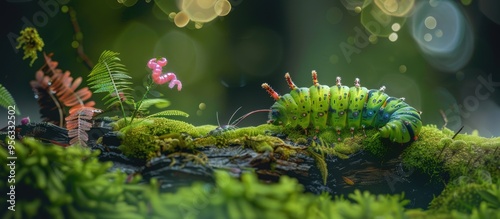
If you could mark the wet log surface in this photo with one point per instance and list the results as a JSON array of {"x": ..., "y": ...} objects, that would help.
[{"x": 360, "y": 171}]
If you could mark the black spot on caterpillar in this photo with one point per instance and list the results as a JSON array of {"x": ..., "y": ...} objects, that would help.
[{"x": 338, "y": 107}]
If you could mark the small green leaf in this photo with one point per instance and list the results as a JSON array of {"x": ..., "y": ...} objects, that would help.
[
  {"x": 157, "y": 102},
  {"x": 169, "y": 113}
]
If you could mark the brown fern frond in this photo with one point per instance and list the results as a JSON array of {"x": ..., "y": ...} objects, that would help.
[
  {"x": 51, "y": 109},
  {"x": 56, "y": 90},
  {"x": 65, "y": 89},
  {"x": 78, "y": 123},
  {"x": 50, "y": 66}
]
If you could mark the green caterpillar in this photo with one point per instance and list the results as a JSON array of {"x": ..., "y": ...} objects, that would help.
[{"x": 321, "y": 107}]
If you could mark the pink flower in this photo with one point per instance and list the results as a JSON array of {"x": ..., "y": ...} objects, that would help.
[
  {"x": 162, "y": 62},
  {"x": 25, "y": 120},
  {"x": 160, "y": 78}
]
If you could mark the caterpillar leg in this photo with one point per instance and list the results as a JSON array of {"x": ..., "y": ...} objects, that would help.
[{"x": 363, "y": 128}]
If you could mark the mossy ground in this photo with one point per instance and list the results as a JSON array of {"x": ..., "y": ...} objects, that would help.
[
  {"x": 433, "y": 153},
  {"x": 49, "y": 184},
  {"x": 436, "y": 152}
]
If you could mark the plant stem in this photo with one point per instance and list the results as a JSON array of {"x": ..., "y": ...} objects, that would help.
[
  {"x": 116, "y": 91},
  {"x": 138, "y": 106}
]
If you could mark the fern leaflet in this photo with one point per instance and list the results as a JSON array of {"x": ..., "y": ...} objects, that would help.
[
  {"x": 78, "y": 123},
  {"x": 110, "y": 76},
  {"x": 7, "y": 100}
]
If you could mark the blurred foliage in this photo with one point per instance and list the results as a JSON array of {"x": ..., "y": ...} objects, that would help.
[
  {"x": 31, "y": 43},
  {"x": 70, "y": 182},
  {"x": 464, "y": 194},
  {"x": 56, "y": 182}
]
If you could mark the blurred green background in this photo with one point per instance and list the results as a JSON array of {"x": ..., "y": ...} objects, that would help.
[{"x": 439, "y": 55}]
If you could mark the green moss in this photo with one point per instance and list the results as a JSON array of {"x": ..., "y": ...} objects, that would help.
[
  {"x": 423, "y": 154},
  {"x": 463, "y": 195},
  {"x": 56, "y": 182},
  {"x": 30, "y": 42},
  {"x": 249, "y": 198},
  {"x": 435, "y": 152},
  {"x": 203, "y": 130},
  {"x": 142, "y": 138}
]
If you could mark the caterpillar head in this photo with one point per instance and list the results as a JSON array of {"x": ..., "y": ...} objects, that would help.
[{"x": 277, "y": 116}]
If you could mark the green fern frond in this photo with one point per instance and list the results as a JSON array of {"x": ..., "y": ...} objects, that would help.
[
  {"x": 169, "y": 113},
  {"x": 147, "y": 103},
  {"x": 7, "y": 100},
  {"x": 110, "y": 76}
]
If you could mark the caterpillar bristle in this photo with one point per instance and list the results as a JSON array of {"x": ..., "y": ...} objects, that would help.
[
  {"x": 315, "y": 78},
  {"x": 271, "y": 92},
  {"x": 357, "y": 83},
  {"x": 338, "y": 79},
  {"x": 290, "y": 82}
]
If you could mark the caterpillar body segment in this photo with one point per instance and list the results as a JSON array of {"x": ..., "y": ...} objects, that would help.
[
  {"x": 339, "y": 104},
  {"x": 340, "y": 107},
  {"x": 357, "y": 98}
]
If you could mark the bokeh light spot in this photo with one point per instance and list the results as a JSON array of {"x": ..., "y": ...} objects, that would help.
[
  {"x": 396, "y": 27},
  {"x": 357, "y": 9},
  {"x": 64, "y": 9},
  {"x": 433, "y": 3},
  {"x": 75, "y": 44},
  {"x": 402, "y": 68},
  {"x": 438, "y": 33},
  {"x": 127, "y": 3},
  {"x": 354, "y": 5},
  {"x": 448, "y": 44},
  {"x": 185, "y": 56},
  {"x": 393, "y": 37},
  {"x": 202, "y": 4},
  {"x": 202, "y": 106},
  {"x": 222, "y": 7},
  {"x": 377, "y": 22},
  {"x": 398, "y": 8},
  {"x": 181, "y": 19},
  {"x": 427, "y": 37},
  {"x": 199, "y": 10},
  {"x": 466, "y": 2},
  {"x": 430, "y": 22},
  {"x": 172, "y": 15},
  {"x": 136, "y": 39}
]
